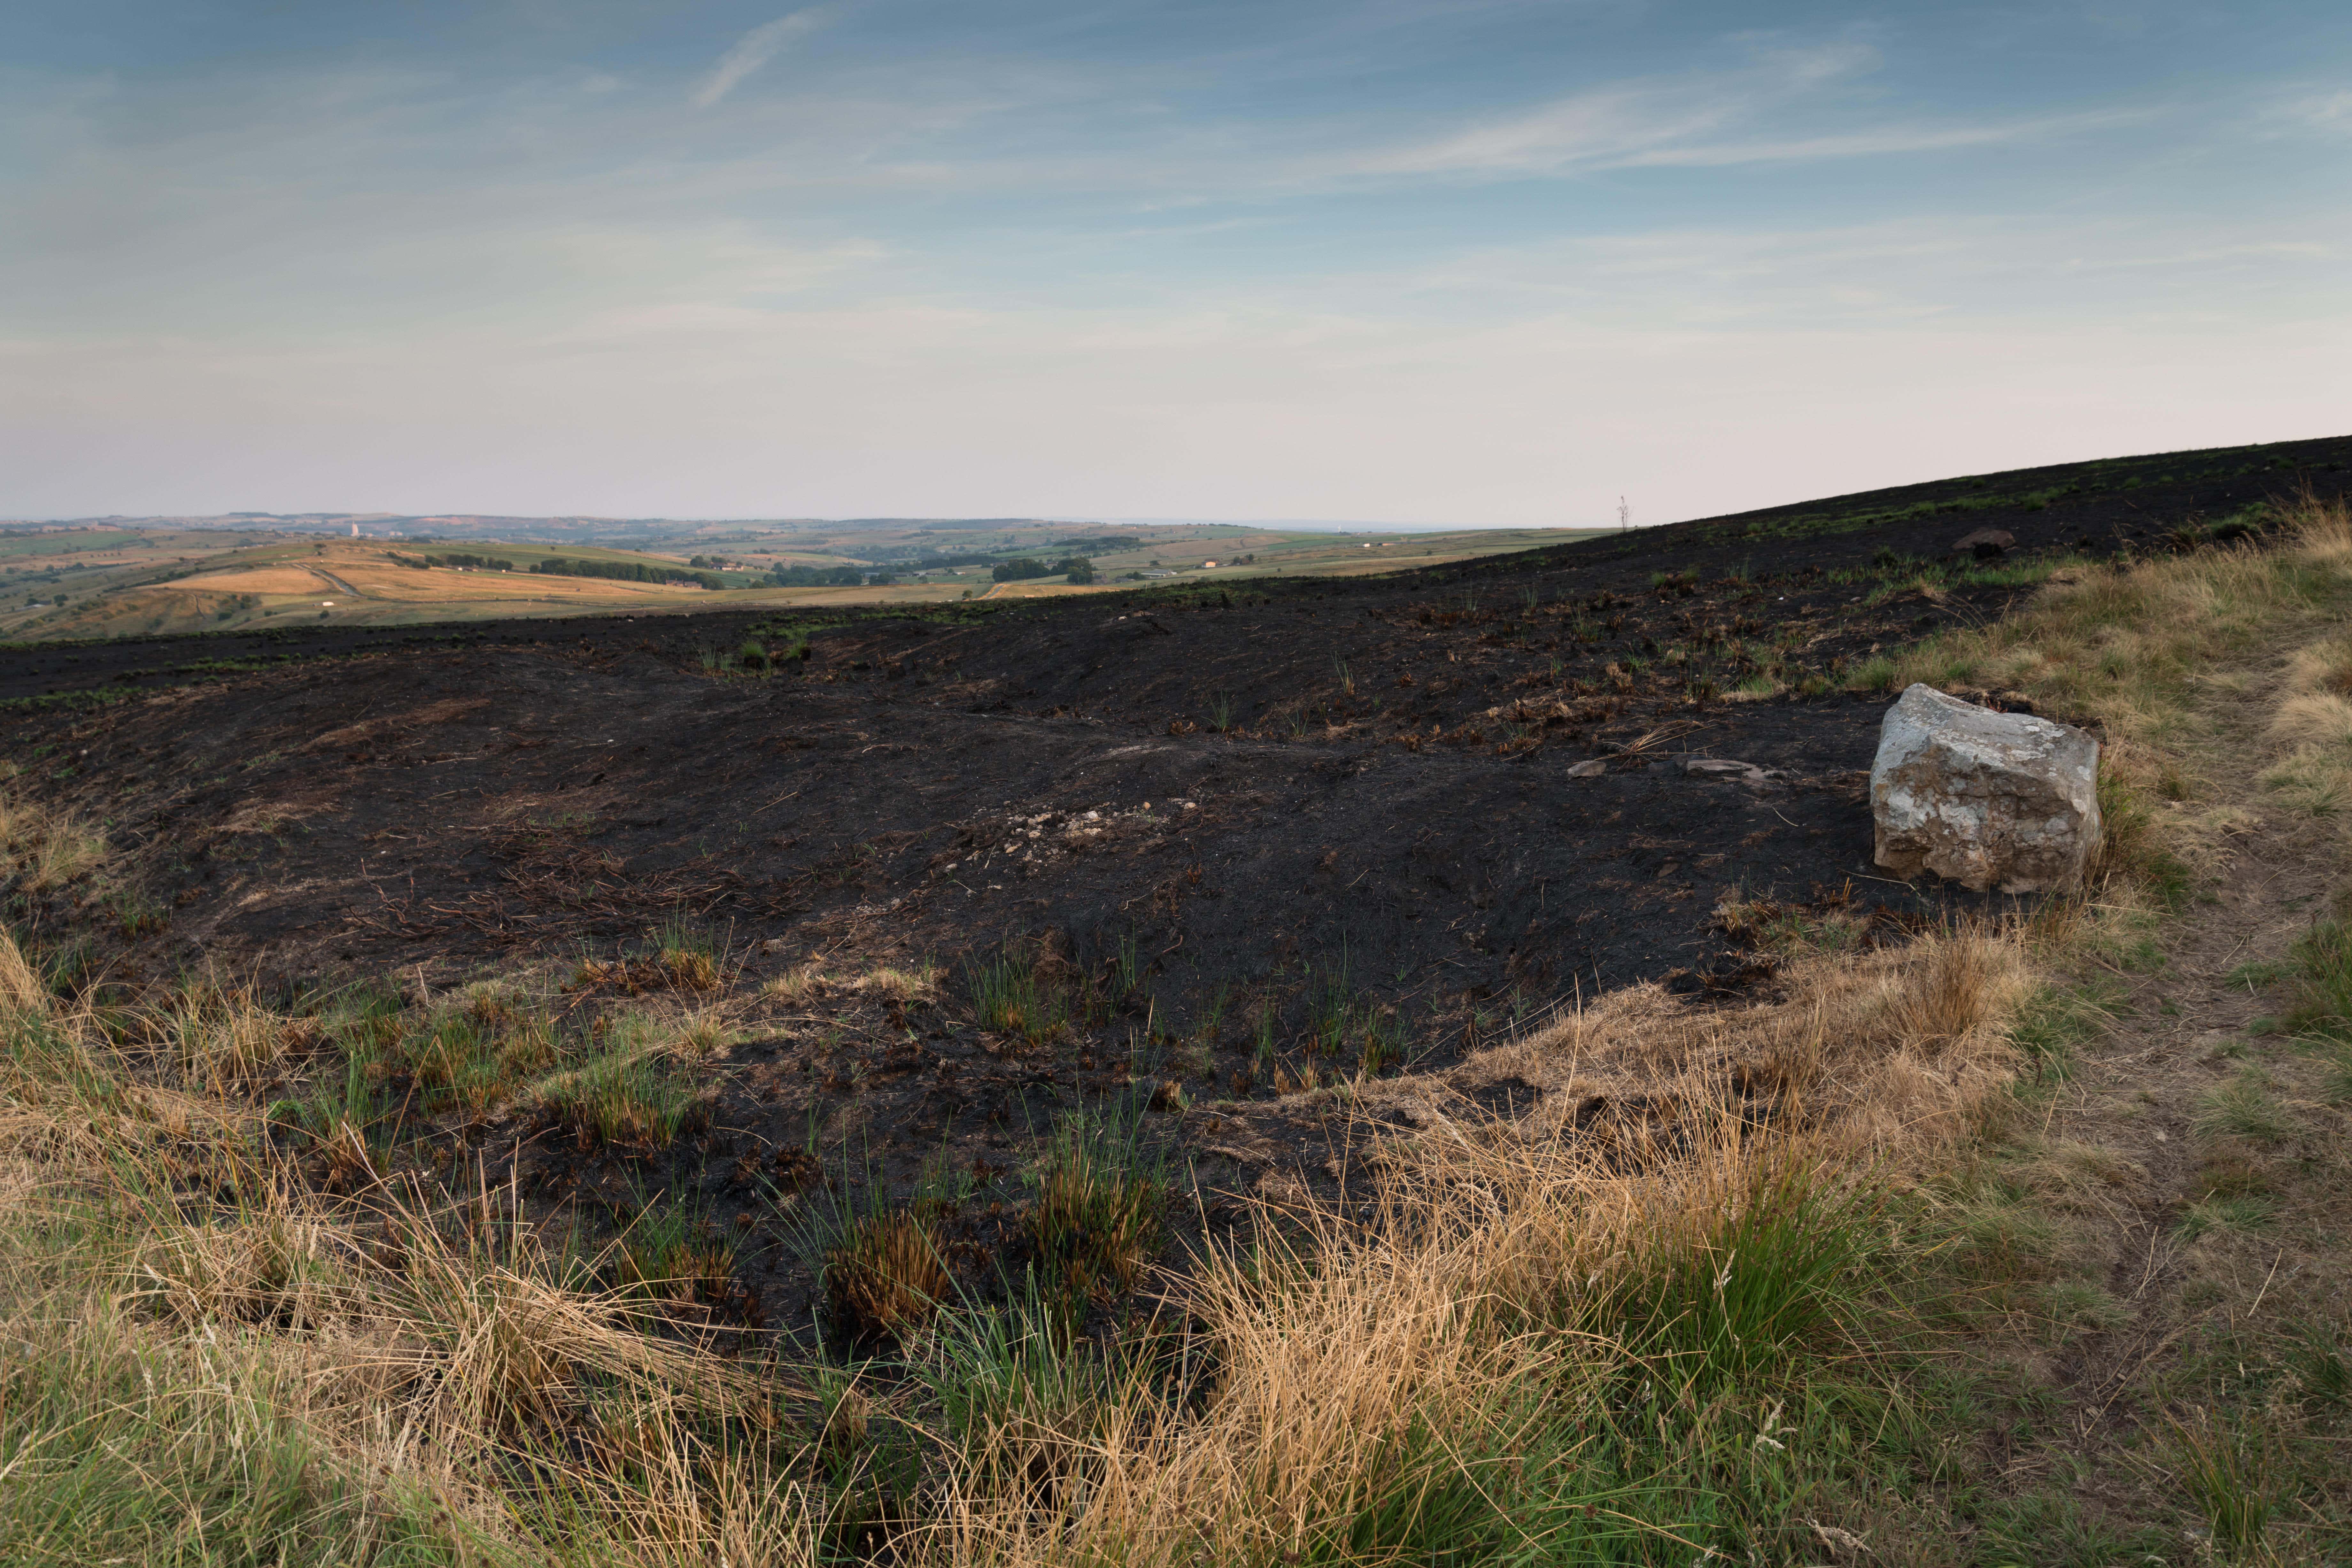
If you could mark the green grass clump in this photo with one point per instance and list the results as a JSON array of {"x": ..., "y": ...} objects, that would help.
[
  {"x": 677, "y": 1252},
  {"x": 2237, "y": 1214},
  {"x": 1010, "y": 997},
  {"x": 1782, "y": 1275},
  {"x": 1097, "y": 1198},
  {"x": 625, "y": 1095},
  {"x": 687, "y": 954},
  {"x": 2230, "y": 1472},
  {"x": 120, "y": 1453},
  {"x": 2243, "y": 1107},
  {"x": 883, "y": 1274},
  {"x": 2052, "y": 1027},
  {"x": 2132, "y": 844},
  {"x": 2323, "y": 972},
  {"x": 1874, "y": 674}
]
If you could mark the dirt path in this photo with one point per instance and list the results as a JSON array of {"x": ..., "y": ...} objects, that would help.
[{"x": 2197, "y": 1290}]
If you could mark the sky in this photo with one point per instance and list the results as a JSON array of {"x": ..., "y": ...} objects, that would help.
[{"x": 1475, "y": 262}]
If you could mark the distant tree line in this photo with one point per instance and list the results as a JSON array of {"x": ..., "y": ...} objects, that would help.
[
  {"x": 824, "y": 576},
  {"x": 942, "y": 562},
  {"x": 1020, "y": 568},
  {"x": 478, "y": 562},
  {"x": 628, "y": 571}
]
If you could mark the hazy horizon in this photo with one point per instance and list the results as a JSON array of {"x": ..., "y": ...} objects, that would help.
[{"x": 1497, "y": 262}]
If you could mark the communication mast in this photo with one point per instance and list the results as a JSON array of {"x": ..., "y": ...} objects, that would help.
[{"x": 1624, "y": 515}]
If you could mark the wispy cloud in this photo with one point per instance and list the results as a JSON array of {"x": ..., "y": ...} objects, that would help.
[
  {"x": 1881, "y": 140},
  {"x": 1703, "y": 120},
  {"x": 1616, "y": 124},
  {"x": 2324, "y": 111},
  {"x": 754, "y": 49}
]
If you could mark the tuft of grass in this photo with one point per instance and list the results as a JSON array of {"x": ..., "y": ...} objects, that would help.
[
  {"x": 687, "y": 954},
  {"x": 1010, "y": 998},
  {"x": 2230, "y": 1472},
  {"x": 675, "y": 1252},
  {"x": 219, "y": 1036},
  {"x": 627, "y": 1095},
  {"x": 2133, "y": 848},
  {"x": 901, "y": 984},
  {"x": 43, "y": 849},
  {"x": 2256, "y": 977},
  {"x": 1097, "y": 1198},
  {"x": 2050, "y": 1027},
  {"x": 2322, "y": 1363},
  {"x": 2241, "y": 1214},
  {"x": 2322, "y": 963},
  {"x": 2243, "y": 1107},
  {"x": 1024, "y": 1399},
  {"x": 1875, "y": 673},
  {"x": 703, "y": 1034},
  {"x": 797, "y": 984},
  {"x": 883, "y": 1274},
  {"x": 1779, "y": 1273}
]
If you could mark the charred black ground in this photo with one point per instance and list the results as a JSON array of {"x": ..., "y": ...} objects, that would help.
[{"x": 1231, "y": 834}]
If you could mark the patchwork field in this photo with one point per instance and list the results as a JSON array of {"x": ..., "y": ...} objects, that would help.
[{"x": 68, "y": 583}]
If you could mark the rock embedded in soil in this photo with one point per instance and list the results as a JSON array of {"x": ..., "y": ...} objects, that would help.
[
  {"x": 1986, "y": 544},
  {"x": 1983, "y": 798}
]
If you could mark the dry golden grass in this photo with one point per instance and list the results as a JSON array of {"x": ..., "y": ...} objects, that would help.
[
  {"x": 703, "y": 1034},
  {"x": 43, "y": 848},
  {"x": 415, "y": 1347},
  {"x": 2127, "y": 645},
  {"x": 286, "y": 580},
  {"x": 1881, "y": 1054},
  {"x": 416, "y": 1344},
  {"x": 795, "y": 984},
  {"x": 1503, "y": 1257},
  {"x": 900, "y": 984}
]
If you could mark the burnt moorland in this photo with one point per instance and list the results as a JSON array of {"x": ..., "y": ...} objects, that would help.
[{"x": 1202, "y": 846}]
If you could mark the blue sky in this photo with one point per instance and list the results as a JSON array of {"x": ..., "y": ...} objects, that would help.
[{"x": 1470, "y": 262}]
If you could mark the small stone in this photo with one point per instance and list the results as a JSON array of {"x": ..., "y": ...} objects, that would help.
[
  {"x": 1727, "y": 768},
  {"x": 1984, "y": 799},
  {"x": 1986, "y": 544}
]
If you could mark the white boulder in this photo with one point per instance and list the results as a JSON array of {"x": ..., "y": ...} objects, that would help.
[{"x": 1985, "y": 799}]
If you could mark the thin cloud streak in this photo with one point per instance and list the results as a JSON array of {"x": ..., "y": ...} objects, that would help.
[
  {"x": 754, "y": 49},
  {"x": 1880, "y": 142},
  {"x": 1615, "y": 124}
]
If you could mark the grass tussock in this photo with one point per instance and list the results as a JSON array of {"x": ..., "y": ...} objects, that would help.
[
  {"x": 43, "y": 849},
  {"x": 1886, "y": 1052},
  {"x": 627, "y": 1095},
  {"x": 883, "y": 1274},
  {"x": 802, "y": 983}
]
